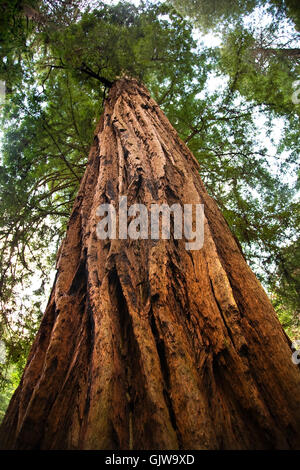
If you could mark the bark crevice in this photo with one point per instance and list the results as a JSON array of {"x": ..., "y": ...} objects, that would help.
[{"x": 160, "y": 346}]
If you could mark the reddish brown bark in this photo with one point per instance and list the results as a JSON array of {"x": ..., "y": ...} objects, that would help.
[{"x": 143, "y": 344}]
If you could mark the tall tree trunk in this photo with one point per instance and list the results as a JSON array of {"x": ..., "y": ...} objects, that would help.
[
  {"x": 265, "y": 53},
  {"x": 144, "y": 344}
]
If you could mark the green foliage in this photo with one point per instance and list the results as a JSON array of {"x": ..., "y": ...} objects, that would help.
[
  {"x": 289, "y": 8},
  {"x": 262, "y": 73},
  {"x": 5, "y": 396},
  {"x": 213, "y": 13},
  {"x": 286, "y": 288}
]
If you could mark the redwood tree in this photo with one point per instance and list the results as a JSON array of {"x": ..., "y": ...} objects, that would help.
[{"x": 144, "y": 344}]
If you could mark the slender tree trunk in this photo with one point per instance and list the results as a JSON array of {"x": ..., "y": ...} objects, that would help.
[
  {"x": 282, "y": 52},
  {"x": 144, "y": 344}
]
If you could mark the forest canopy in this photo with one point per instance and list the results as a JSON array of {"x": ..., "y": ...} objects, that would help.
[{"x": 227, "y": 76}]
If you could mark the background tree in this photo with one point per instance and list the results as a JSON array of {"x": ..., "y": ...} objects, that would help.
[{"x": 216, "y": 15}]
